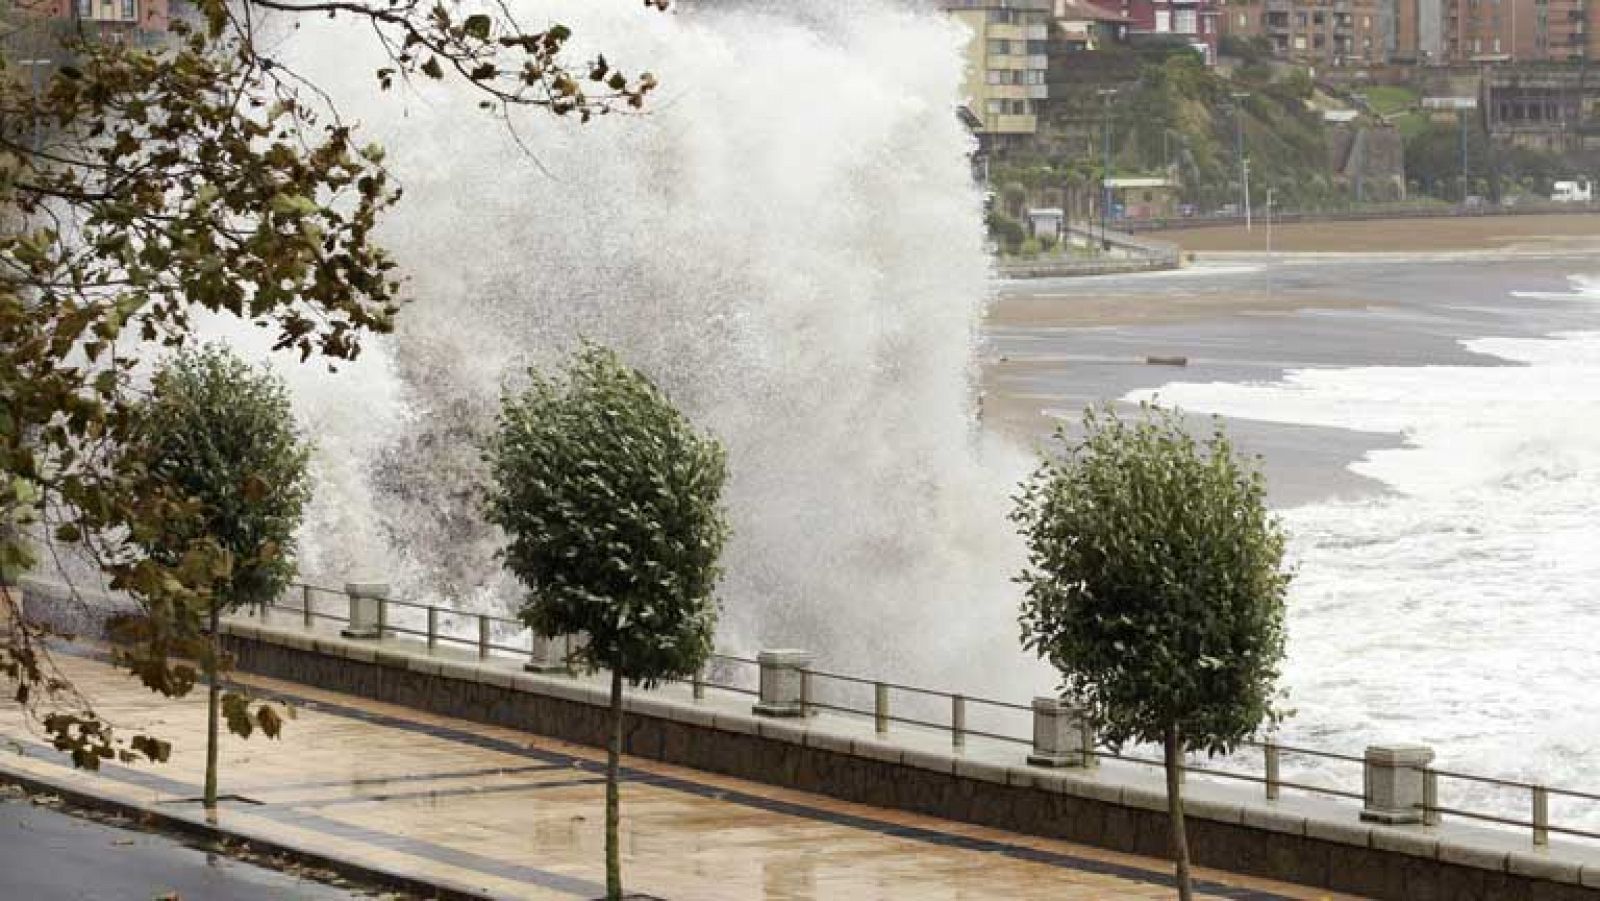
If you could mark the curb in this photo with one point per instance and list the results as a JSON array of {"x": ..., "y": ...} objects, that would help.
[{"x": 380, "y": 877}]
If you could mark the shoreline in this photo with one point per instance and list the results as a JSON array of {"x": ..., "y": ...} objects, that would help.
[{"x": 1569, "y": 232}]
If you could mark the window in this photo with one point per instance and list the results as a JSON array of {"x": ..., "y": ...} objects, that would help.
[
  {"x": 1299, "y": 42},
  {"x": 995, "y": 107},
  {"x": 995, "y": 75},
  {"x": 1033, "y": 76},
  {"x": 1038, "y": 48},
  {"x": 1366, "y": 21},
  {"x": 128, "y": 13},
  {"x": 1186, "y": 22},
  {"x": 1163, "y": 21},
  {"x": 1244, "y": 20},
  {"x": 1319, "y": 18},
  {"x": 999, "y": 47},
  {"x": 85, "y": 9},
  {"x": 1497, "y": 45}
]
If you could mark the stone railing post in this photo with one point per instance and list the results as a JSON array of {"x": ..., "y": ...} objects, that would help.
[
  {"x": 548, "y": 655},
  {"x": 1392, "y": 787},
  {"x": 781, "y": 693},
  {"x": 364, "y": 598},
  {"x": 1062, "y": 735}
]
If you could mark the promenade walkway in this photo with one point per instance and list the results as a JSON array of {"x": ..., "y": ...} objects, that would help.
[{"x": 510, "y": 815}]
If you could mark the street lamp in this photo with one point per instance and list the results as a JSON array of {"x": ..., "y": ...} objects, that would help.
[
  {"x": 1238, "y": 151},
  {"x": 1105, "y": 170}
]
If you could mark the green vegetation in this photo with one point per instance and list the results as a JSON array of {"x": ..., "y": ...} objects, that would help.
[
  {"x": 1155, "y": 585},
  {"x": 141, "y": 185},
  {"x": 1386, "y": 100},
  {"x": 220, "y": 438},
  {"x": 611, "y": 503},
  {"x": 1177, "y": 118},
  {"x": 1494, "y": 171}
]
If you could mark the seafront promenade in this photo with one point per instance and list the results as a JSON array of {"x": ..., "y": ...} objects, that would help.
[{"x": 489, "y": 812}]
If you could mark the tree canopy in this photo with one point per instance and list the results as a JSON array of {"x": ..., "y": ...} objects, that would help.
[
  {"x": 1155, "y": 580},
  {"x": 140, "y": 183},
  {"x": 611, "y": 504}
]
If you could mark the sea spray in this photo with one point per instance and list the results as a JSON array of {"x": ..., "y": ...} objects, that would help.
[{"x": 788, "y": 240}]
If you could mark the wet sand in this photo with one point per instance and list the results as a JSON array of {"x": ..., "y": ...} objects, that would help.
[
  {"x": 1054, "y": 346},
  {"x": 1078, "y": 310},
  {"x": 1397, "y": 235}
]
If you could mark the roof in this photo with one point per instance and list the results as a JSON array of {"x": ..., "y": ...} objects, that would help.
[{"x": 1084, "y": 9}]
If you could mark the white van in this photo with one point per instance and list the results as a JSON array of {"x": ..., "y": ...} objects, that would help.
[{"x": 1578, "y": 191}]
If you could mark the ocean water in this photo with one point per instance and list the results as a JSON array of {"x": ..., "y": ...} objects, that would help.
[{"x": 1458, "y": 607}]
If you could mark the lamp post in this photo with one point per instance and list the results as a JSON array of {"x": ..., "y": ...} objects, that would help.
[
  {"x": 1105, "y": 170},
  {"x": 1238, "y": 151},
  {"x": 1270, "y": 192}
]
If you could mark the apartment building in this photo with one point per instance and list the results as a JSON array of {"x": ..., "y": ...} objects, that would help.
[
  {"x": 1322, "y": 33},
  {"x": 1442, "y": 32},
  {"x": 1196, "y": 22},
  {"x": 120, "y": 20},
  {"x": 1007, "y": 62}
]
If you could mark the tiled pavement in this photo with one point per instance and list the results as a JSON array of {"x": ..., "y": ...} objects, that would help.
[{"x": 517, "y": 816}]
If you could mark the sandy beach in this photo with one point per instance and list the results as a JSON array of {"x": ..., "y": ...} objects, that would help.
[{"x": 1397, "y": 235}]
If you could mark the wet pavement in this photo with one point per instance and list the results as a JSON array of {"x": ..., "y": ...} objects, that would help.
[
  {"x": 47, "y": 855},
  {"x": 511, "y": 815}
]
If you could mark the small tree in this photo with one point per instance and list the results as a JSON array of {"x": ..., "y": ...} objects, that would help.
[
  {"x": 1155, "y": 585},
  {"x": 220, "y": 435},
  {"x": 611, "y": 503}
]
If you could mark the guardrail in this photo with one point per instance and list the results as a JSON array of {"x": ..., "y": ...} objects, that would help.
[
  {"x": 1359, "y": 214},
  {"x": 952, "y": 713}
]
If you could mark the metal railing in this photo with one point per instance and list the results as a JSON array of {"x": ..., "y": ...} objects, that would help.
[{"x": 821, "y": 690}]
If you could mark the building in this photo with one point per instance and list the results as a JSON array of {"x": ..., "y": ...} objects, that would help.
[
  {"x": 1194, "y": 22},
  {"x": 1314, "y": 32},
  {"x": 140, "y": 21},
  {"x": 1082, "y": 26},
  {"x": 1006, "y": 65},
  {"x": 1144, "y": 198},
  {"x": 1442, "y": 32}
]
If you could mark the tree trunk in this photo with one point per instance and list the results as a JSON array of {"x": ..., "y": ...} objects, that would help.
[
  {"x": 1180, "y": 841},
  {"x": 213, "y": 701},
  {"x": 613, "y": 801}
]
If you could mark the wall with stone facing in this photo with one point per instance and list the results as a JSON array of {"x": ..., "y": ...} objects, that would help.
[{"x": 1271, "y": 839}]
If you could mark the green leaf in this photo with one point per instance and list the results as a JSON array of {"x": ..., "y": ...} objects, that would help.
[{"x": 477, "y": 26}]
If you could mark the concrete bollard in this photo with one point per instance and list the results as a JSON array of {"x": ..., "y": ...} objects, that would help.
[
  {"x": 364, "y": 598},
  {"x": 781, "y": 691},
  {"x": 548, "y": 655},
  {"x": 1062, "y": 735},
  {"x": 1393, "y": 787}
]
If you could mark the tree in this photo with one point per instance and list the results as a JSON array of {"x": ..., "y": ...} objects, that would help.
[
  {"x": 1155, "y": 585},
  {"x": 221, "y": 436},
  {"x": 140, "y": 184},
  {"x": 611, "y": 504}
]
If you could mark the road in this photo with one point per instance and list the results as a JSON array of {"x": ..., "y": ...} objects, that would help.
[{"x": 46, "y": 855}]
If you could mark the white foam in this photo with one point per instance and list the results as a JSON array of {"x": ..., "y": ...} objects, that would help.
[
  {"x": 789, "y": 241},
  {"x": 1461, "y": 610}
]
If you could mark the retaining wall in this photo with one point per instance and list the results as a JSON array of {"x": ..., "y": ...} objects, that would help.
[{"x": 1118, "y": 807}]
